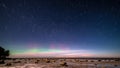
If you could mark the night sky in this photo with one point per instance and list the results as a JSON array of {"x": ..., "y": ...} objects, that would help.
[{"x": 60, "y": 28}]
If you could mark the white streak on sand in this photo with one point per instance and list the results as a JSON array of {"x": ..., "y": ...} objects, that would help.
[{"x": 27, "y": 66}]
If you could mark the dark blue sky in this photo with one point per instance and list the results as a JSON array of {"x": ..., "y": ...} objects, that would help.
[{"x": 78, "y": 24}]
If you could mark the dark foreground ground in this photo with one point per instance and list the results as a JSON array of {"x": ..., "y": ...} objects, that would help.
[{"x": 61, "y": 63}]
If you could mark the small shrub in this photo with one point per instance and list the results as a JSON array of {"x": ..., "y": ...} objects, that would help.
[
  {"x": 37, "y": 61},
  {"x": 117, "y": 59},
  {"x": 47, "y": 61},
  {"x": 63, "y": 64},
  {"x": 2, "y": 62},
  {"x": 92, "y": 61},
  {"x": 53, "y": 60},
  {"x": 115, "y": 65},
  {"x": 95, "y": 64},
  {"x": 86, "y": 60},
  {"x": 8, "y": 64},
  {"x": 99, "y": 60}
]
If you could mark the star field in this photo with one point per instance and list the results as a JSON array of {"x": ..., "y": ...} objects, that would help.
[{"x": 90, "y": 25}]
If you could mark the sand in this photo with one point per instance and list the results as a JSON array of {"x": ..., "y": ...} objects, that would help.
[{"x": 57, "y": 63}]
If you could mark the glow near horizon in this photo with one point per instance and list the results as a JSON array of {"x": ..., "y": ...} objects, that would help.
[
  {"x": 58, "y": 53},
  {"x": 53, "y": 51}
]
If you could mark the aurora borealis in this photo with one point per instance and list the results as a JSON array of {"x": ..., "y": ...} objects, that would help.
[
  {"x": 52, "y": 51},
  {"x": 60, "y": 28}
]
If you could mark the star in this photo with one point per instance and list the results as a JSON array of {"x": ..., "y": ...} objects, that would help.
[
  {"x": 34, "y": 27},
  {"x": 6, "y": 27},
  {"x": 4, "y": 6},
  {"x": 23, "y": 17}
]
